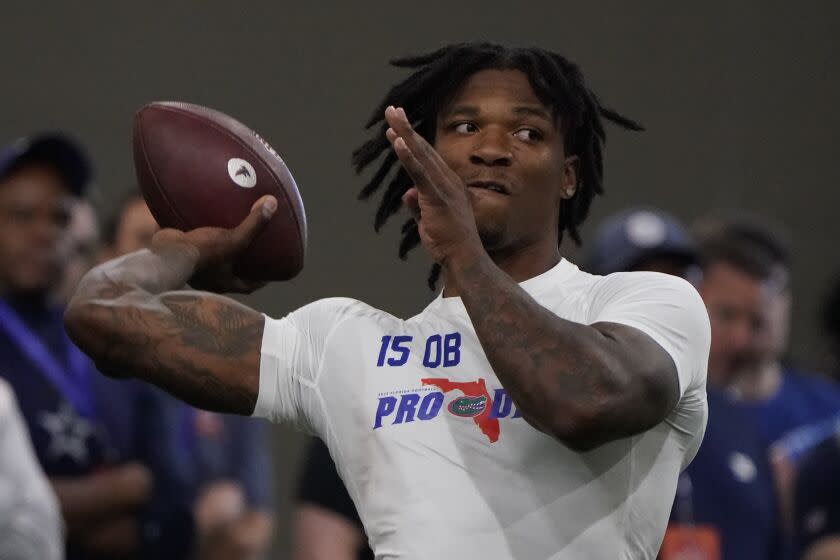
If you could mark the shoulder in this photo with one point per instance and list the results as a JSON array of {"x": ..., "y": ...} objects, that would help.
[
  {"x": 318, "y": 322},
  {"x": 649, "y": 294},
  {"x": 327, "y": 314},
  {"x": 667, "y": 309},
  {"x": 634, "y": 283},
  {"x": 337, "y": 308}
]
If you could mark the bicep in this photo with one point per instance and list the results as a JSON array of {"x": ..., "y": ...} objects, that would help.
[
  {"x": 649, "y": 385},
  {"x": 201, "y": 347},
  {"x": 656, "y": 331}
]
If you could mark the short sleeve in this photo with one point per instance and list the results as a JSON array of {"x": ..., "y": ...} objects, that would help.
[
  {"x": 291, "y": 356},
  {"x": 666, "y": 308}
]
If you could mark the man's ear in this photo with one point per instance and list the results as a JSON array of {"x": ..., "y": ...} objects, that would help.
[{"x": 570, "y": 177}]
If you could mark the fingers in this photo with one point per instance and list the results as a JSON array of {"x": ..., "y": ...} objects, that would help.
[
  {"x": 245, "y": 286},
  {"x": 401, "y": 128},
  {"x": 411, "y": 200},
  {"x": 419, "y": 159},
  {"x": 416, "y": 169},
  {"x": 261, "y": 213},
  {"x": 398, "y": 121}
]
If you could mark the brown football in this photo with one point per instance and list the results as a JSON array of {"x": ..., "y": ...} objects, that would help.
[{"x": 198, "y": 167}]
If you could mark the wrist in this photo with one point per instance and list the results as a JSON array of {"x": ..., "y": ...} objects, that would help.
[
  {"x": 176, "y": 251},
  {"x": 465, "y": 261}
]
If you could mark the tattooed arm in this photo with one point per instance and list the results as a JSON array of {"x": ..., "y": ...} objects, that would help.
[
  {"x": 134, "y": 319},
  {"x": 584, "y": 384}
]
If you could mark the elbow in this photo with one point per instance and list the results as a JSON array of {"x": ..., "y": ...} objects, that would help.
[
  {"x": 591, "y": 420},
  {"x": 583, "y": 430},
  {"x": 579, "y": 427}
]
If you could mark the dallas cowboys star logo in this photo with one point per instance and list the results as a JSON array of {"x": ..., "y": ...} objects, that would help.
[{"x": 68, "y": 433}]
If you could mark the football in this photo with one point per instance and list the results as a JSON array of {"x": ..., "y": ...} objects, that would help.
[{"x": 199, "y": 167}]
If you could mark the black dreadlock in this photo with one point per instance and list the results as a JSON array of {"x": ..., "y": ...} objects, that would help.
[{"x": 558, "y": 84}]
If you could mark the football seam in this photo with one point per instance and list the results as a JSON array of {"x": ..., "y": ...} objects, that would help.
[
  {"x": 150, "y": 167},
  {"x": 224, "y": 131}
]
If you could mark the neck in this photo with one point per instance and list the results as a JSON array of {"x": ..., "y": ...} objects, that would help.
[
  {"x": 759, "y": 384},
  {"x": 27, "y": 298},
  {"x": 520, "y": 264}
]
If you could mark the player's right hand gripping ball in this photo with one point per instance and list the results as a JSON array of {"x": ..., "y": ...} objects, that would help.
[{"x": 198, "y": 167}]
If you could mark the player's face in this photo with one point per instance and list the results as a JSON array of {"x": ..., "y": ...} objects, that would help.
[
  {"x": 136, "y": 228},
  {"x": 507, "y": 147},
  {"x": 34, "y": 214},
  {"x": 739, "y": 310}
]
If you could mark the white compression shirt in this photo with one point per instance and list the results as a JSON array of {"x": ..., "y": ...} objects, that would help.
[{"x": 435, "y": 454}]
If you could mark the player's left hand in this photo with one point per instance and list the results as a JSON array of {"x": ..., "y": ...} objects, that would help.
[{"x": 438, "y": 200}]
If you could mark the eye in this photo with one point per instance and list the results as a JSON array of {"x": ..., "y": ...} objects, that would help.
[
  {"x": 465, "y": 128},
  {"x": 528, "y": 134}
]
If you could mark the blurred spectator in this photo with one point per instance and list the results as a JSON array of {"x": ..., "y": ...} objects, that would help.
[
  {"x": 813, "y": 453},
  {"x": 79, "y": 248},
  {"x": 831, "y": 322},
  {"x": 746, "y": 286},
  {"x": 30, "y": 523},
  {"x": 130, "y": 227},
  {"x": 725, "y": 505},
  {"x": 219, "y": 463},
  {"x": 817, "y": 502},
  {"x": 85, "y": 428},
  {"x": 327, "y": 525},
  {"x": 642, "y": 239}
]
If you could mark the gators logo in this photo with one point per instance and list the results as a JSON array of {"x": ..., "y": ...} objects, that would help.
[{"x": 468, "y": 407}]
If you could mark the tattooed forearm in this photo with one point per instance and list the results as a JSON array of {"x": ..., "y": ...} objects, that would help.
[
  {"x": 198, "y": 322},
  {"x": 571, "y": 380},
  {"x": 201, "y": 347}
]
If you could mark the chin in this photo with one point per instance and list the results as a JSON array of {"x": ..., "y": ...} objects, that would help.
[
  {"x": 491, "y": 239},
  {"x": 34, "y": 284}
]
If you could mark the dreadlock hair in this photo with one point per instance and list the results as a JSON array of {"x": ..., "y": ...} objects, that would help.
[{"x": 557, "y": 82}]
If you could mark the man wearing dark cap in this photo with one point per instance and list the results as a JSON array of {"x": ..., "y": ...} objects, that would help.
[
  {"x": 83, "y": 426},
  {"x": 725, "y": 505},
  {"x": 642, "y": 239}
]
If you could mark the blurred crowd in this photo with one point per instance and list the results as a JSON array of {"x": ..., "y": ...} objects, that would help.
[{"x": 95, "y": 467}]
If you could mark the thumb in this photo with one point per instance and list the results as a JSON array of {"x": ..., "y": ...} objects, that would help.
[
  {"x": 259, "y": 216},
  {"x": 411, "y": 200}
]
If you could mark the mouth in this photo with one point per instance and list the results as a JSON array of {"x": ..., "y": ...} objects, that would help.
[{"x": 492, "y": 186}]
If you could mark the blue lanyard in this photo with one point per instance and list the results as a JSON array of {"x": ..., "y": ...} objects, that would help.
[{"x": 73, "y": 381}]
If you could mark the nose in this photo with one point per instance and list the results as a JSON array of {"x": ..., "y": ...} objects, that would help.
[
  {"x": 744, "y": 339},
  {"x": 46, "y": 233},
  {"x": 491, "y": 149}
]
